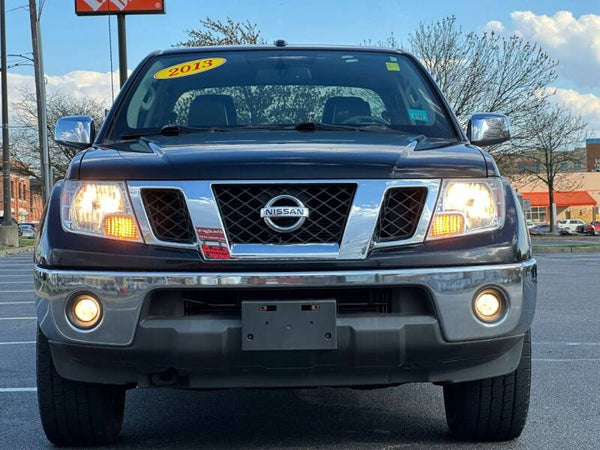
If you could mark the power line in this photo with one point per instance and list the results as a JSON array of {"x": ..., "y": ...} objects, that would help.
[{"x": 18, "y": 7}]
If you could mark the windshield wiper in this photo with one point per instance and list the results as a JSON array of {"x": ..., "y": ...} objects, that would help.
[
  {"x": 320, "y": 126},
  {"x": 171, "y": 130},
  {"x": 371, "y": 127}
]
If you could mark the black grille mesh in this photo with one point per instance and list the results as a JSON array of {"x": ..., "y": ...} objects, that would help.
[
  {"x": 400, "y": 214},
  {"x": 240, "y": 205},
  {"x": 168, "y": 215}
]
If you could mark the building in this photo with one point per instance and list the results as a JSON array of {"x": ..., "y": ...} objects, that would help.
[
  {"x": 580, "y": 201},
  {"x": 577, "y": 194},
  {"x": 27, "y": 200},
  {"x": 592, "y": 147}
]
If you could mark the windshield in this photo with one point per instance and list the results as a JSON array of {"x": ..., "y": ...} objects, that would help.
[{"x": 281, "y": 89}]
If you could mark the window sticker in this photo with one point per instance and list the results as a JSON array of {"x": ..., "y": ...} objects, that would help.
[
  {"x": 418, "y": 114},
  {"x": 392, "y": 66},
  {"x": 187, "y": 68}
]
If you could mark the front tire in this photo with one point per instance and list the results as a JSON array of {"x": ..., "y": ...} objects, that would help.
[
  {"x": 492, "y": 409},
  {"x": 73, "y": 412}
]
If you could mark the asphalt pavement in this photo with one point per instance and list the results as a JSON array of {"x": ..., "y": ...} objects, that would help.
[{"x": 564, "y": 412}]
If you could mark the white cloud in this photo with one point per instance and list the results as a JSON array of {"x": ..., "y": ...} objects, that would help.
[
  {"x": 575, "y": 42},
  {"x": 79, "y": 84},
  {"x": 495, "y": 26},
  {"x": 586, "y": 105}
]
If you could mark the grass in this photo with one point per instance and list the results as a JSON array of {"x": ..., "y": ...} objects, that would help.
[{"x": 23, "y": 242}]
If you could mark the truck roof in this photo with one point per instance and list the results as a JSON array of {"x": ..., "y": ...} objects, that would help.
[{"x": 349, "y": 48}]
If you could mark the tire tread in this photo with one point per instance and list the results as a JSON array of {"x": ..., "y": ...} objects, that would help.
[
  {"x": 74, "y": 412},
  {"x": 491, "y": 409}
]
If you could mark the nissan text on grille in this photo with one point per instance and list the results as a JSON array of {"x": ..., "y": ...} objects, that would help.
[{"x": 282, "y": 216}]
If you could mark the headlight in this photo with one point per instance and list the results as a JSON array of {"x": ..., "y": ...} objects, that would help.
[
  {"x": 98, "y": 209},
  {"x": 467, "y": 207}
]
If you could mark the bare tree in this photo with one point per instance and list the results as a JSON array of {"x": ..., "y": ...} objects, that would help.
[
  {"x": 486, "y": 72},
  {"x": 217, "y": 32},
  {"x": 25, "y": 149},
  {"x": 554, "y": 133},
  {"x": 295, "y": 104}
]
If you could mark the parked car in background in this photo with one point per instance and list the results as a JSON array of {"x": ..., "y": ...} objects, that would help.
[
  {"x": 589, "y": 228},
  {"x": 26, "y": 230},
  {"x": 530, "y": 224},
  {"x": 568, "y": 226},
  {"x": 542, "y": 228}
]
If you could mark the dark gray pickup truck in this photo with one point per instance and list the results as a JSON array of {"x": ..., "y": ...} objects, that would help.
[{"x": 282, "y": 216}]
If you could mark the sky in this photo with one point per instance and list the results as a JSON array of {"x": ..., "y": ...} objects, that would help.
[{"x": 76, "y": 49}]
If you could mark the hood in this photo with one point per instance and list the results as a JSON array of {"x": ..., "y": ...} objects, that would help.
[{"x": 279, "y": 155}]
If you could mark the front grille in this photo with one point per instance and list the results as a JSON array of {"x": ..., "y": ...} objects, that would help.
[
  {"x": 168, "y": 215},
  {"x": 240, "y": 205},
  {"x": 227, "y": 302},
  {"x": 400, "y": 214}
]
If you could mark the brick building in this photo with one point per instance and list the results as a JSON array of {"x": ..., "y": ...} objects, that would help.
[
  {"x": 577, "y": 195},
  {"x": 592, "y": 148},
  {"x": 26, "y": 196}
]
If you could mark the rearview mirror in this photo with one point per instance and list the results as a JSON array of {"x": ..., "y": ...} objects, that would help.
[
  {"x": 488, "y": 129},
  {"x": 75, "y": 131}
]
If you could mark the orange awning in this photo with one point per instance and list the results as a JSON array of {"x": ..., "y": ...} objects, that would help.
[{"x": 573, "y": 198}]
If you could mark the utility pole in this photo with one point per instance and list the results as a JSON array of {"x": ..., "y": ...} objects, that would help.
[
  {"x": 8, "y": 233},
  {"x": 40, "y": 94},
  {"x": 5, "y": 152},
  {"x": 122, "y": 34}
]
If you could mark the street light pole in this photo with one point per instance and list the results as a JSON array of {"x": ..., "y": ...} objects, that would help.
[
  {"x": 5, "y": 152},
  {"x": 40, "y": 94}
]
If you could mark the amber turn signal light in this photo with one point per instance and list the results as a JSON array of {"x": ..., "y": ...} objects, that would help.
[
  {"x": 447, "y": 224},
  {"x": 120, "y": 227}
]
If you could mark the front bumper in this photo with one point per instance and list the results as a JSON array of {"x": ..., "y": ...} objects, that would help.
[{"x": 448, "y": 346}]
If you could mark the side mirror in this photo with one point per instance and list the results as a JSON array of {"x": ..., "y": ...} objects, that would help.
[
  {"x": 488, "y": 129},
  {"x": 75, "y": 131}
]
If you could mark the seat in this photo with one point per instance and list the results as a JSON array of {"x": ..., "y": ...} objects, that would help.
[
  {"x": 212, "y": 111},
  {"x": 339, "y": 109}
]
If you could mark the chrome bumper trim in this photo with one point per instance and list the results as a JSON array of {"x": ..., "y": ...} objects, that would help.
[{"x": 123, "y": 293}]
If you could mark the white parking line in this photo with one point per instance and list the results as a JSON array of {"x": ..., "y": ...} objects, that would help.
[
  {"x": 566, "y": 359},
  {"x": 15, "y": 292},
  {"x": 17, "y": 343},
  {"x": 16, "y": 282},
  {"x": 15, "y": 303},
  {"x": 18, "y": 318},
  {"x": 24, "y": 389},
  {"x": 573, "y": 344},
  {"x": 16, "y": 276}
]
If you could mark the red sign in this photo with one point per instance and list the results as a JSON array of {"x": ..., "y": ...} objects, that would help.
[{"x": 103, "y": 7}]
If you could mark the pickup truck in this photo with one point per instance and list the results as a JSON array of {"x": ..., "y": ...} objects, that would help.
[{"x": 282, "y": 217}]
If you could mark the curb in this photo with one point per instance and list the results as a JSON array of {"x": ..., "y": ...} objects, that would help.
[
  {"x": 567, "y": 249},
  {"x": 16, "y": 250}
]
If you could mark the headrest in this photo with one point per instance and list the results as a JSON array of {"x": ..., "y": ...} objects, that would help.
[
  {"x": 339, "y": 109},
  {"x": 212, "y": 110}
]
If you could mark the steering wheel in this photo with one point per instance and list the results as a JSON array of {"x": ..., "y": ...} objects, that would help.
[{"x": 365, "y": 120}]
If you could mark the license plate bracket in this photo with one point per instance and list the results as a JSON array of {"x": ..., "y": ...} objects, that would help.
[{"x": 289, "y": 325}]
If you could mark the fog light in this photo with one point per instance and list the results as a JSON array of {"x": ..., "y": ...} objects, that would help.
[
  {"x": 86, "y": 311},
  {"x": 489, "y": 305}
]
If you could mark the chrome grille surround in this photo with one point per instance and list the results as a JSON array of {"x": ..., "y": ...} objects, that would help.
[{"x": 358, "y": 234}]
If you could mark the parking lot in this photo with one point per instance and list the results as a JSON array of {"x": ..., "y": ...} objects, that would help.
[{"x": 564, "y": 413}]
